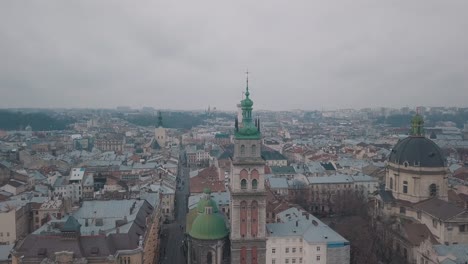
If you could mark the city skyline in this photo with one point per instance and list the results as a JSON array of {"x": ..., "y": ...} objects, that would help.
[{"x": 304, "y": 55}]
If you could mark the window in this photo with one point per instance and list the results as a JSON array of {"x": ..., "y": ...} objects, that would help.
[
  {"x": 244, "y": 184},
  {"x": 242, "y": 150},
  {"x": 433, "y": 190},
  {"x": 318, "y": 258},
  {"x": 254, "y": 150},
  {"x": 462, "y": 228},
  {"x": 209, "y": 258},
  {"x": 300, "y": 260},
  {"x": 293, "y": 250},
  {"x": 8, "y": 234},
  {"x": 287, "y": 250},
  {"x": 286, "y": 261},
  {"x": 391, "y": 183},
  {"x": 405, "y": 187},
  {"x": 273, "y": 261},
  {"x": 254, "y": 184},
  {"x": 273, "y": 250},
  {"x": 293, "y": 260},
  {"x": 402, "y": 210},
  {"x": 1, "y": 234},
  {"x": 318, "y": 248},
  {"x": 419, "y": 214},
  {"x": 300, "y": 249}
]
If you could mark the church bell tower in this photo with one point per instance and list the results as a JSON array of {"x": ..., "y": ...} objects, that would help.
[{"x": 247, "y": 188}]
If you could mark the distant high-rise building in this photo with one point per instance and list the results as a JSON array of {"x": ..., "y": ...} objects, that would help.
[{"x": 160, "y": 132}]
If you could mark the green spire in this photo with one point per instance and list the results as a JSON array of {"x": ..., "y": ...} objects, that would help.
[
  {"x": 417, "y": 126},
  {"x": 248, "y": 129},
  {"x": 160, "y": 123}
]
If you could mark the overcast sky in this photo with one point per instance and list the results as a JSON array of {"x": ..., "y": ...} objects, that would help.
[{"x": 168, "y": 54}]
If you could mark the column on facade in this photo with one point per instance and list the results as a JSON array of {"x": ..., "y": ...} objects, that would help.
[
  {"x": 219, "y": 253},
  {"x": 189, "y": 251}
]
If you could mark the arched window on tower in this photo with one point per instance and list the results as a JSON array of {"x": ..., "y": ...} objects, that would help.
[
  {"x": 242, "y": 150},
  {"x": 243, "y": 184},
  {"x": 405, "y": 187},
  {"x": 254, "y": 184},
  {"x": 433, "y": 190},
  {"x": 243, "y": 175},
  {"x": 391, "y": 183},
  {"x": 254, "y": 150}
]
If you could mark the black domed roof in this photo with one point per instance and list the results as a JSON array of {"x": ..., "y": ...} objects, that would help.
[{"x": 418, "y": 151}]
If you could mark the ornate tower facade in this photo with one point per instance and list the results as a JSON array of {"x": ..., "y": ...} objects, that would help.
[{"x": 248, "y": 195}]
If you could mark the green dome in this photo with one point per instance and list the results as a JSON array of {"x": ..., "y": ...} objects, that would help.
[
  {"x": 249, "y": 131},
  {"x": 247, "y": 103},
  {"x": 209, "y": 227},
  {"x": 208, "y": 224}
]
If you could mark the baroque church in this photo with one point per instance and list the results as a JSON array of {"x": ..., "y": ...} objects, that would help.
[
  {"x": 414, "y": 203},
  {"x": 209, "y": 240}
]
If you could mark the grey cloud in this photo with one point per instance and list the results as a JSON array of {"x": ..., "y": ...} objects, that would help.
[{"x": 168, "y": 54}]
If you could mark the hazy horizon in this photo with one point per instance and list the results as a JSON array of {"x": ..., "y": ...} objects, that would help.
[{"x": 309, "y": 55}]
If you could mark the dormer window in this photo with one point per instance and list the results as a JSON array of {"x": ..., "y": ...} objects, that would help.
[{"x": 208, "y": 210}]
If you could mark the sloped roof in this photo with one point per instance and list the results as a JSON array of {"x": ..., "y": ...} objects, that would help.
[
  {"x": 387, "y": 196},
  {"x": 278, "y": 183},
  {"x": 71, "y": 225},
  {"x": 327, "y": 166},
  {"x": 282, "y": 170},
  {"x": 272, "y": 155},
  {"x": 296, "y": 222},
  {"x": 458, "y": 251},
  {"x": 439, "y": 208},
  {"x": 416, "y": 233}
]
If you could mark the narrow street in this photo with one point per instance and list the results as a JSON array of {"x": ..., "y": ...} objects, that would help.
[{"x": 173, "y": 234}]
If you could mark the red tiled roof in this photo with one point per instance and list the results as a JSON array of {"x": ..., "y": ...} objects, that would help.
[
  {"x": 207, "y": 178},
  {"x": 461, "y": 173}
]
